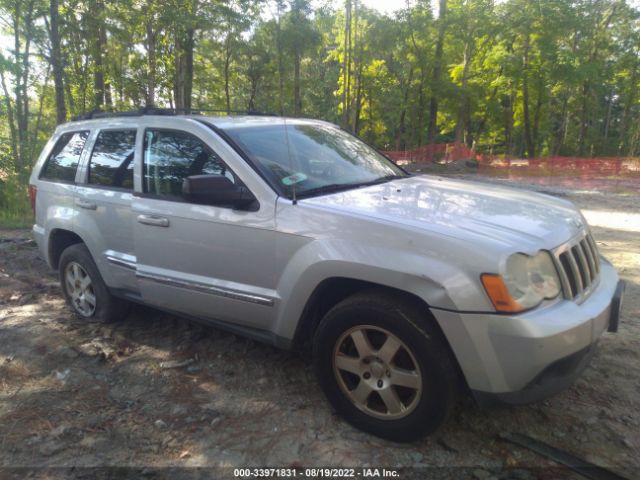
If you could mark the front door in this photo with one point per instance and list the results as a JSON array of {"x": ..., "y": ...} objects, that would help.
[{"x": 202, "y": 260}]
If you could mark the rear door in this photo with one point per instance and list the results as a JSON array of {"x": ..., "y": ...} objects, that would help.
[
  {"x": 103, "y": 205},
  {"x": 207, "y": 261},
  {"x": 56, "y": 184},
  {"x": 57, "y": 178}
]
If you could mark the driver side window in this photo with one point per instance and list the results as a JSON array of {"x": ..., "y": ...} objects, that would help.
[{"x": 172, "y": 155}]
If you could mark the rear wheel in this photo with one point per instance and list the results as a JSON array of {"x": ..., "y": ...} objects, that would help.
[
  {"x": 85, "y": 290},
  {"x": 384, "y": 366}
]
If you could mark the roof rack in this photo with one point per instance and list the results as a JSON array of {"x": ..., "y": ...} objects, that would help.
[{"x": 162, "y": 111}]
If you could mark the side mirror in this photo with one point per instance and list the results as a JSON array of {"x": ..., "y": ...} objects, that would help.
[{"x": 217, "y": 190}]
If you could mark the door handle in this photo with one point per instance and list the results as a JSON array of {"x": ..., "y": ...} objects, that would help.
[
  {"x": 86, "y": 204},
  {"x": 153, "y": 220}
]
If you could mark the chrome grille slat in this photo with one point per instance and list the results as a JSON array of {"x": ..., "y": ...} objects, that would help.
[
  {"x": 589, "y": 254},
  {"x": 585, "y": 273},
  {"x": 575, "y": 270},
  {"x": 564, "y": 280},
  {"x": 594, "y": 249},
  {"x": 578, "y": 265}
]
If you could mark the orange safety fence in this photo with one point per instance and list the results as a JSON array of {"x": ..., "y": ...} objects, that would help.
[
  {"x": 446, "y": 152},
  {"x": 599, "y": 173}
]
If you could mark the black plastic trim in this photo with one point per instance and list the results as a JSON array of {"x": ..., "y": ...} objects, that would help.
[
  {"x": 553, "y": 379},
  {"x": 616, "y": 307}
]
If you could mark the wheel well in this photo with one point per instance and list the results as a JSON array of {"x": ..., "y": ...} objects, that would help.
[
  {"x": 59, "y": 240},
  {"x": 333, "y": 290},
  {"x": 329, "y": 293}
]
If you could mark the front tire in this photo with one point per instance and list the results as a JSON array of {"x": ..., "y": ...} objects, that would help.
[
  {"x": 384, "y": 366},
  {"x": 84, "y": 289}
]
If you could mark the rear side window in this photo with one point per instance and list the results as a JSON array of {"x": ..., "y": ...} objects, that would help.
[
  {"x": 170, "y": 156},
  {"x": 111, "y": 162},
  {"x": 62, "y": 164}
]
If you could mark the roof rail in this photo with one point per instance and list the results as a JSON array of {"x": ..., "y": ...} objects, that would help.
[{"x": 162, "y": 111}]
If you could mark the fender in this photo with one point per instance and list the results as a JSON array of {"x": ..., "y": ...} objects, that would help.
[{"x": 403, "y": 270}]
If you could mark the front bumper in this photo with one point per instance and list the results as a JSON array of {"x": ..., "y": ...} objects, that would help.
[{"x": 523, "y": 358}]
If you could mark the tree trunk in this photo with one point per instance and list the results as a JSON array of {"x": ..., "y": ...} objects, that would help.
[
  {"x": 400, "y": 141},
  {"x": 584, "y": 120},
  {"x": 178, "y": 81},
  {"x": 189, "y": 45},
  {"x": 537, "y": 113},
  {"x": 586, "y": 86},
  {"x": 227, "y": 65},
  {"x": 280, "y": 60},
  {"x": 183, "y": 60},
  {"x": 22, "y": 73},
  {"x": 421, "y": 100},
  {"x": 34, "y": 138},
  {"x": 56, "y": 62},
  {"x": 628, "y": 105},
  {"x": 607, "y": 122},
  {"x": 358, "y": 103},
  {"x": 105, "y": 78},
  {"x": 98, "y": 61},
  {"x": 10, "y": 117},
  {"x": 562, "y": 127},
  {"x": 464, "y": 109},
  {"x": 371, "y": 131},
  {"x": 528, "y": 138},
  {"x": 437, "y": 73},
  {"x": 297, "y": 100},
  {"x": 346, "y": 65},
  {"x": 151, "y": 55},
  {"x": 508, "y": 122}
]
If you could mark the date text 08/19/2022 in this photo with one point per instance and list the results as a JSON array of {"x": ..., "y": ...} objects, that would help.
[{"x": 315, "y": 473}]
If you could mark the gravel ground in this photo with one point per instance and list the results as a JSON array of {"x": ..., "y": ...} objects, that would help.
[{"x": 156, "y": 391}]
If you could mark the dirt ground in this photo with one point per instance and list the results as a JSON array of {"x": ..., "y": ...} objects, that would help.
[{"x": 80, "y": 395}]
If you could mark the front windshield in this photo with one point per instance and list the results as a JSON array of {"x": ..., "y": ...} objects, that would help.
[{"x": 312, "y": 158}]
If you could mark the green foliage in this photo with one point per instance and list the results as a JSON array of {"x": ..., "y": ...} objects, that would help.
[
  {"x": 15, "y": 208},
  {"x": 513, "y": 77}
]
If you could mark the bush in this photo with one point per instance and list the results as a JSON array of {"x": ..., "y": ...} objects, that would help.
[{"x": 15, "y": 207}]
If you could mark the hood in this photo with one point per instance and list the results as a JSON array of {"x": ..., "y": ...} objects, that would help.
[{"x": 517, "y": 218}]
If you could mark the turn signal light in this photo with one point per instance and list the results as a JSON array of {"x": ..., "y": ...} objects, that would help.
[{"x": 499, "y": 294}]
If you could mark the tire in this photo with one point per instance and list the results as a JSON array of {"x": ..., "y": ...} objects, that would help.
[
  {"x": 89, "y": 299},
  {"x": 399, "y": 396}
]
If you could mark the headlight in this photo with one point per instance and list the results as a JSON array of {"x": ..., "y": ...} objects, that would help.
[{"x": 524, "y": 284}]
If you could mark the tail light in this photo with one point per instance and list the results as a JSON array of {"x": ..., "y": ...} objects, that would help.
[{"x": 33, "y": 192}]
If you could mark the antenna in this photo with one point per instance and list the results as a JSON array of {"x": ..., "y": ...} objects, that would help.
[{"x": 293, "y": 185}]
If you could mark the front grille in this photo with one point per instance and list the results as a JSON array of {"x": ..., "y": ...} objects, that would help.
[{"x": 578, "y": 265}]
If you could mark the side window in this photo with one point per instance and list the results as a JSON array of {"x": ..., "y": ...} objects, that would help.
[
  {"x": 170, "y": 156},
  {"x": 111, "y": 161},
  {"x": 63, "y": 161}
]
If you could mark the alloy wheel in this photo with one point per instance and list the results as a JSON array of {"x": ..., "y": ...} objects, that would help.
[
  {"x": 377, "y": 372},
  {"x": 80, "y": 289}
]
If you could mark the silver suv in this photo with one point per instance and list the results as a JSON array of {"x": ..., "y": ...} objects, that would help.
[{"x": 408, "y": 290}]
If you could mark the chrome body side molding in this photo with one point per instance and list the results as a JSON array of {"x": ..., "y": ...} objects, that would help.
[{"x": 210, "y": 289}]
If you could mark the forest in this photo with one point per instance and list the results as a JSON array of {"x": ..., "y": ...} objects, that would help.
[{"x": 516, "y": 77}]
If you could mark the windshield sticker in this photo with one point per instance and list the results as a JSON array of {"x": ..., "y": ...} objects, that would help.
[{"x": 293, "y": 179}]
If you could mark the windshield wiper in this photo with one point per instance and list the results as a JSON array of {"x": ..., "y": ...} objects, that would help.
[
  {"x": 332, "y": 187},
  {"x": 336, "y": 187},
  {"x": 386, "y": 178}
]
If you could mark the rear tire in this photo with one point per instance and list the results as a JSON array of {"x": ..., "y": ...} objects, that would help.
[
  {"x": 385, "y": 367},
  {"x": 84, "y": 289}
]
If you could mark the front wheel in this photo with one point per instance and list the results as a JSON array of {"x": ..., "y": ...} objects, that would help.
[
  {"x": 384, "y": 366},
  {"x": 85, "y": 290}
]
